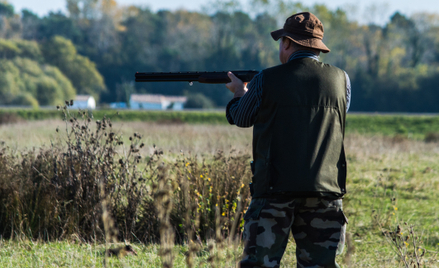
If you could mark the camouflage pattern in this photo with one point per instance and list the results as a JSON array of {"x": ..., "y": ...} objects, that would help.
[{"x": 317, "y": 225}]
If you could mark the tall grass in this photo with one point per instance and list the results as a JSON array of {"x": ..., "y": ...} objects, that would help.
[
  {"x": 57, "y": 193},
  {"x": 179, "y": 193}
]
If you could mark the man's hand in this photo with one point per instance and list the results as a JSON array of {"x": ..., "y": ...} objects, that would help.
[{"x": 236, "y": 86}]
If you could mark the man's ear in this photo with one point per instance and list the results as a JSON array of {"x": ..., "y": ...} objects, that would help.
[{"x": 287, "y": 43}]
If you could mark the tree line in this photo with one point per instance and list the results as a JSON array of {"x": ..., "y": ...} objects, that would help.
[{"x": 97, "y": 46}]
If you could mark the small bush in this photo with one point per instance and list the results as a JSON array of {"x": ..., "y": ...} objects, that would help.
[
  {"x": 9, "y": 118},
  {"x": 432, "y": 137},
  {"x": 198, "y": 101},
  {"x": 95, "y": 187},
  {"x": 56, "y": 192}
]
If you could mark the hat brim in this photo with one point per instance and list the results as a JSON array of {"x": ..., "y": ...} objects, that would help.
[{"x": 306, "y": 41}]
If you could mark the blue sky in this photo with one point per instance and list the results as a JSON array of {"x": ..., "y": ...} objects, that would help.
[{"x": 359, "y": 7}]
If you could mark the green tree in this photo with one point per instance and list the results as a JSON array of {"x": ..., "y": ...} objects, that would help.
[
  {"x": 46, "y": 83},
  {"x": 25, "y": 99},
  {"x": 8, "y": 49},
  {"x": 56, "y": 24},
  {"x": 6, "y": 10},
  {"x": 409, "y": 36},
  {"x": 10, "y": 81},
  {"x": 30, "y": 25},
  {"x": 48, "y": 91},
  {"x": 82, "y": 72},
  {"x": 29, "y": 49}
]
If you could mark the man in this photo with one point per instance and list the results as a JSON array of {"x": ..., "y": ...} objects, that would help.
[{"x": 297, "y": 110}]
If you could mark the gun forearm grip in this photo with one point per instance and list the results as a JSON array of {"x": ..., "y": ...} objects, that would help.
[{"x": 223, "y": 78}]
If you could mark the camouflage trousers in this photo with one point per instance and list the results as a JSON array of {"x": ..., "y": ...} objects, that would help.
[{"x": 318, "y": 226}]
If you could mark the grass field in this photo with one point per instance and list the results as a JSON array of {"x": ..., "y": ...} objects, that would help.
[
  {"x": 393, "y": 180},
  {"x": 413, "y": 126}
]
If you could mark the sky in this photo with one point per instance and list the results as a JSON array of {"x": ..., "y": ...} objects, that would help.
[{"x": 359, "y": 8}]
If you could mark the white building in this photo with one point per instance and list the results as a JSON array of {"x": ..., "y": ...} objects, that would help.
[
  {"x": 156, "y": 102},
  {"x": 84, "y": 102}
]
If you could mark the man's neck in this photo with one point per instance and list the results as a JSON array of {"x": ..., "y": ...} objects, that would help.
[{"x": 302, "y": 53}]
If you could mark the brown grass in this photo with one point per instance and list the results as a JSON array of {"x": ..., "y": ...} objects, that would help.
[{"x": 183, "y": 184}]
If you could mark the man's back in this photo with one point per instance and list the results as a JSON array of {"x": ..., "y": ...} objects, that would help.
[{"x": 298, "y": 133}]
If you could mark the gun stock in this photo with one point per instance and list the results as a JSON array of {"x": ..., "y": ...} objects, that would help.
[{"x": 201, "y": 77}]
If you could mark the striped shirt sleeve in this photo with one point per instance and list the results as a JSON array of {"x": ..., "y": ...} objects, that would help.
[
  {"x": 242, "y": 111},
  {"x": 348, "y": 92}
]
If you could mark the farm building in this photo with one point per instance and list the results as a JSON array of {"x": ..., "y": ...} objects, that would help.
[
  {"x": 156, "y": 102},
  {"x": 118, "y": 105},
  {"x": 84, "y": 102}
]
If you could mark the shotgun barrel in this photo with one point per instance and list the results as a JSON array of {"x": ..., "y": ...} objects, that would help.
[{"x": 201, "y": 77}]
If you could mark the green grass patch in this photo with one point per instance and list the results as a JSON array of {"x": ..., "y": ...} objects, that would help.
[
  {"x": 406, "y": 126},
  {"x": 411, "y": 126}
]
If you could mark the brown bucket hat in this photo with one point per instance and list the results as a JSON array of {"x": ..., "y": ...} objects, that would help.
[{"x": 304, "y": 29}]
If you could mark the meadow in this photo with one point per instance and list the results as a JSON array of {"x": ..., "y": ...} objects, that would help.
[{"x": 194, "y": 176}]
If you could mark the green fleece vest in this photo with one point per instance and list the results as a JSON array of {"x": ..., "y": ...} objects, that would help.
[{"x": 298, "y": 134}]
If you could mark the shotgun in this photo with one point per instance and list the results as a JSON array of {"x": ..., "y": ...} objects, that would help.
[{"x": 201, "y": 77}]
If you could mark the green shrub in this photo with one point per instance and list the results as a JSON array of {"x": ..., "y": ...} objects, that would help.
[
  {"x": 25, "y": 99},
  {"x": 432, "y": 137},
  {"x": 9, "y": 118},
  {"x": 198, "y": 101},
  {"x": 98, "y": 188}
]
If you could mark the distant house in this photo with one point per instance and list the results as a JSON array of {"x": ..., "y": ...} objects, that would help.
[
  {"x": 118, "y": 105},
  {"x": 84, "y": 102},
  {"x": 156, "y": 102}
]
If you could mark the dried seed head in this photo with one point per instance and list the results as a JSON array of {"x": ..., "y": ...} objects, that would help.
[{"x": 71, "y": 102}]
